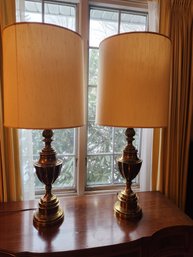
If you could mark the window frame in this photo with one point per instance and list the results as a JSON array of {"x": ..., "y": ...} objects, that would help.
[{"x": 82, "y": 25}]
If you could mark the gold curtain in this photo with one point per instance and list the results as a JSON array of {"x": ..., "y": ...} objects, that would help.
[
  {"x": 10, "y": 179},
  {"x": 171, "y": 145}
]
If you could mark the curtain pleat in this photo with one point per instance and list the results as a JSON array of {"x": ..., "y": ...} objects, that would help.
[
  {"x": 10, "y": 179},
  {"x": 172, "y": 144}
]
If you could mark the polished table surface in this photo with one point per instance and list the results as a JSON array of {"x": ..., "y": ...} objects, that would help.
[{"x": 89, "y": 223}]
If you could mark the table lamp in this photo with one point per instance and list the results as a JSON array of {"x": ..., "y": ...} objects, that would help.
[
  {"x": 43, "y": 89},
  {"x": 133, "y": 92}
]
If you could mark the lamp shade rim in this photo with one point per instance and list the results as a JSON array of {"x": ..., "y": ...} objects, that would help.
[
  {"x": 130, "y": 125},
  {"x": 42, "y": 24},
  {"x": 134, "y": 33},
  {"x": 46, "y": 128}
]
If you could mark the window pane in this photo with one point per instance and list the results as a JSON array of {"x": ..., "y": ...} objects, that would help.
[
  {"x": 66, "y": 178},
  {"x": 37, "y": 142},
  {"x": 132, "y": 22},
  {"x": 91, "y": 103},
  {"x": 117, "y": 178},
  {"x": 33, "y": 11},
  {"x": 103, "y": 23},
  {"x": 137, "y": 141},
  {"x": 61, "y": 15},
  {"x": 99, "y": 139},
  {"x": 99, "y": 170},
  {"x": 64, "y": 141},
  {"x": 93, "y": 66},
  {"x": 119, "y": 140}
]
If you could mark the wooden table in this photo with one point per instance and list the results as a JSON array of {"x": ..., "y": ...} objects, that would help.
[{"x": 91, "y": 229}]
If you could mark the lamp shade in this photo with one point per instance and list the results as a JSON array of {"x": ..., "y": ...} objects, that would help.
[
  {"x": 42, "y": 74},
  {"x": 134, "y": 80}
]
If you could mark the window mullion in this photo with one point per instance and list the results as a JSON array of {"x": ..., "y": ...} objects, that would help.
[
  {"x": 43, "y": 11},
  {"x": 82, "y": 138}
]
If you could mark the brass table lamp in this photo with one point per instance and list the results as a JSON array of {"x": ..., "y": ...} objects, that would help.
[
  {"x": 43, "y": 89},
  {"x": 133, "y": 92}
]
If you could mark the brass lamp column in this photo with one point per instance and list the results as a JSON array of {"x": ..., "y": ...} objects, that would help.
[
  {"x": 129, "y": 166},
  {"x": 43, "y": 89},
  {"x": 48, "y": 169},
  {"x": 133, "y": 92}
]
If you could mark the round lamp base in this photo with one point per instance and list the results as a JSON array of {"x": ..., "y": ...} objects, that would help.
[
  {"x": 127, "y": 207},
  {"x": 48, "y": 214}
]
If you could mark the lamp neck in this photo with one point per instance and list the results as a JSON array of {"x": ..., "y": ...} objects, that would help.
[
  {"x": 48, "y": 154},
  {"x": 130, "y": 152}
]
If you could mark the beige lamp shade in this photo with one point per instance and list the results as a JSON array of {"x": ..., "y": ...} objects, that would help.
[
  {"x": 134, "y": 80},
  {"x": 42, "y": 73}
]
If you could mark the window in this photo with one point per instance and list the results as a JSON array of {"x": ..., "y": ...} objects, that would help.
[
  {"x": 105, "y": 144},
  {"x": 89, "y": 153}
]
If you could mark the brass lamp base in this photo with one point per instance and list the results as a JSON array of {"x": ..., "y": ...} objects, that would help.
[
  {"x": 48, "y": 169},
  {"x": 127, "y": 207},
  {"x": 49, "y": 213},
  {"x": 129, "y": 166}
]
